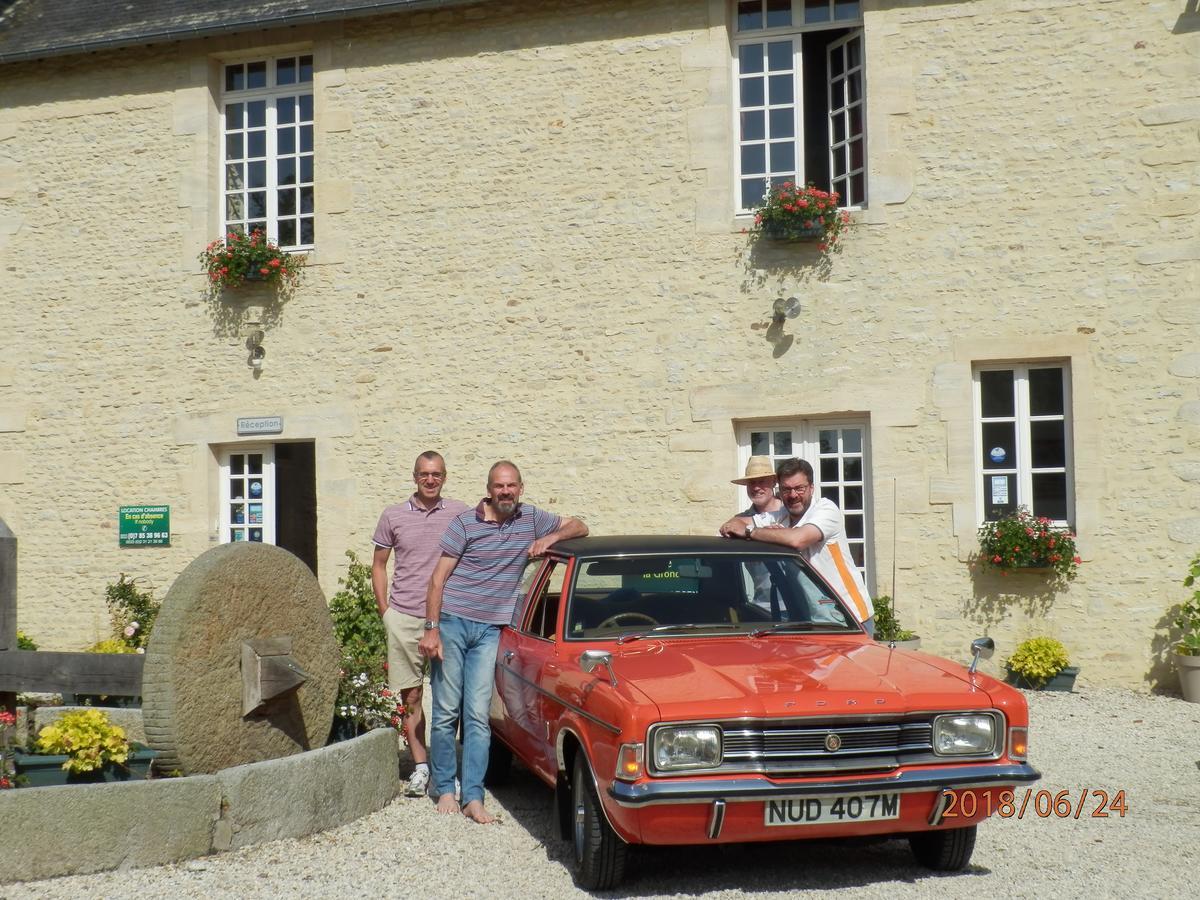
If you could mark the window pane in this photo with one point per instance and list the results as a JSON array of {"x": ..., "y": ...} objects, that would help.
[
  {"x": 235, "y": 78},
  {"x": 287, "y": 232},
  {"x": 257, "y": 204},
  {"x": 999, "y": 496},
  {"x": 854, "y": 86},
  {"x": 237, "y": 487},
  {"x": 779, "y": 56},
  {"x": 752, "y": 124},
  {"x": 783, "y": 157},
  {"x": 306, "y": 69},
  {"x": 252, "y": 227},
  {"x": 256, "y": 143},
  {"x": 853, "y": 53},
  {"x": 237, "y": 534},
  {"x": 837, "y": 94},
  {"x": 306, "y": 108},
  {"x": 781, "y": 89},
  {"x": 999, "y": 445},
  {"x": 285, "y": 71},
  {"x": 852, "y": 469},
  {"x": 256, "y": 74},
  {"x": 760, "y": 443},
  {"x": 750, "y": 15},
  {"x": 856, "y": 119},
  {"x": 286, "y": 110},
  {"x": 816, "y": 11},
  {"x": 752, "y": 192},
  {"x": 1046, "y": 392},
  {"x": 306, "y": 138},
  {"x": 286, "y": 170},
  {"x": 233, "y": 146},
  {"x": 258, "y": 174},
  {"x": 839, "y": 162},
  {"x": 779, "y": 13},
  {"x": 1050, "y": 495},
  {"x": 854, "y": 529},
  {"x": 846, "y": 9},
  {"x": 754, "y": 158},
  {"x": 828, "y": 440},
  {"x": 256, "y": 114},
  {"x": 234, "y": 178},
  {"x": 254, "y": 467},
  {"x": 286, "y": 201},
  {"x": 856, "y": 553},
  {"x": 750, "y": 59},
  {"x": 837, "y": 63},
  {"x": 996, "y": 394},
  {"x": 783, "y": 443},
  {"x": 856, "y": 154},
  {"x": 1048, "y": 444},
  {"x": 256, "y": 535},
  {"x": 752, "y": 92},
  {"x": 829, "y": 470},
  {"x": 852, "y": 497},
  {"x": 233, "y": 116},
  {"x": 306, "y": 200},
  {"x": 285, "y": 139},
  {"x": 307, "y": 233},
  {"x": 858, "y": 191},
  {"x": 237, "y": 513},
  {"x": 851, "y": 440},
  {"x": 306, "y": 169},
  {"x": 783, "y": 123},
  {"x": 839, "y": 127},
  {"x": 235, "y": 208}
]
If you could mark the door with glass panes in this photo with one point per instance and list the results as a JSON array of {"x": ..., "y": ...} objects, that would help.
[
  {"x": 840, "y": 456},
  {"x": 248, "y": 494}
]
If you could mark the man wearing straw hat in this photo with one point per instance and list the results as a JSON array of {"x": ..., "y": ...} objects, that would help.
[{"x": 765, "y": 508}]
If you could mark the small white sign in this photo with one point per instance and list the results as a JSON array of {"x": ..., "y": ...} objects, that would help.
[
  {"x": 1000, "y": 489},
  {"x": 261, "y": 425}
]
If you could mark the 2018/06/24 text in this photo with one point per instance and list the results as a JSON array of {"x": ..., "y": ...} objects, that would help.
[{"x": 1044, "y": 804}]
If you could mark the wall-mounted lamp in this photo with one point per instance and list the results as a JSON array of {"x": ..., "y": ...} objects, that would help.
[
  {"x": 257, "y": 352},
  {"x": 786, "y": 309}
]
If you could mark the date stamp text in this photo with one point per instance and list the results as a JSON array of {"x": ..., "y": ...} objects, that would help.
[{"x": 1091, "y": 803}]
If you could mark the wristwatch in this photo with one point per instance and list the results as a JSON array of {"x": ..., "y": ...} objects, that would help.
[
  {"x": 750, "y": 530},
  {"x": 430, "y": 624}
]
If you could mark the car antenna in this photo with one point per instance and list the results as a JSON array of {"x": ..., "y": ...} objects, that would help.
[{"x": 893, "y": 642}]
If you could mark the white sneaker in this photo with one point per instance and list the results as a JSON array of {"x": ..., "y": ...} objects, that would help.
[{"x": 418, "y": 783}]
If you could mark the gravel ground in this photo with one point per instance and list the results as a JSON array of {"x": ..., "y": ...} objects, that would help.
[{"x": 1147, "y": 747}]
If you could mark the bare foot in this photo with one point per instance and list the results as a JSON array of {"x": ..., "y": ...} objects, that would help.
[
  {"x": 447, "y": 804},
  {"x": 476, "y": 813}
]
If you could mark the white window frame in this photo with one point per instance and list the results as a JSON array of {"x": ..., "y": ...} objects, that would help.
[
  {"x": 271, "y": 93},
  {"x": 797, "y": 174},
  {"x": 227, "y": 500},
  {"x": 805, "y": 437},
  {"x": 1022, "y": 467}
]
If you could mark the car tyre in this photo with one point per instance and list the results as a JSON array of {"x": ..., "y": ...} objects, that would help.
[
  {"x": 599, "y": 853},
  {"x": 944, "y": 851},
  {"x": 499, "y": 765}
]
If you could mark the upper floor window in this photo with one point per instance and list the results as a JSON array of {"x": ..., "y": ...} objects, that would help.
[
  {"x": 1023, "y": 440},
  {"x": 267, "y": 151},
  {"x": 799, "y": 73}
]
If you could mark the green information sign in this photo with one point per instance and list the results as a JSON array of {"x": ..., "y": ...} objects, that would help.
[{"x": 144, "y": 526}]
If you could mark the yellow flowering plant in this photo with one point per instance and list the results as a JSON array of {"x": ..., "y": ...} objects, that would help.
[{"x": 87, "y": 738}]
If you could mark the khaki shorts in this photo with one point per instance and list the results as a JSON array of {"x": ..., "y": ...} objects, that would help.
[{"x": 406, "y": 667}]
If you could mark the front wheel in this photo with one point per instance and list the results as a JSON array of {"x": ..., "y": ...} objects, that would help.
[
  {"x": 599, "y": 853},
  {"x": 944, "y": 851}
]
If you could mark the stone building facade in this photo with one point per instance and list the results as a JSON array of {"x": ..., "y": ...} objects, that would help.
[{"x": 528, "y": 245}]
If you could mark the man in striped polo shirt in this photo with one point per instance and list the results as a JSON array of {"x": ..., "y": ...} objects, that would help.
[
  {"x": 413, "y": 529},
  {"x": 472, "y": 595}
]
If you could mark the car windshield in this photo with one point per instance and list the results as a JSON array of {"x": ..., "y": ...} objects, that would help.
[{"x": 665, "y": 596}]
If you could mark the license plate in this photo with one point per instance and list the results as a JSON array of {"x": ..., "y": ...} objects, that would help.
[{"x": 832, "y": 810}]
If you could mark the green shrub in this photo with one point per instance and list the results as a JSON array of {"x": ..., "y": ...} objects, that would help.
[
  {"x": 132, "y": 611},
  {"x": 25, "y": 642},
  {"x": 1189, "y": 614},
  {"x": 887, "y": 626},
  {"x": 356, "y": 620},
  {"x": 110, "y": 645},
  {"x": 89, "y": 740},
  {"x": 1038, "y": 659}
]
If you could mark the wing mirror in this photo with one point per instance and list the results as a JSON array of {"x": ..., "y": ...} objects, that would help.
[
  {"x": 591, "y": 660},
  {"x": 981, "y": 648}
]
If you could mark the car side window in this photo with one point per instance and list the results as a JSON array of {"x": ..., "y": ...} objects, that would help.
[{"x": 543, "y": 608}]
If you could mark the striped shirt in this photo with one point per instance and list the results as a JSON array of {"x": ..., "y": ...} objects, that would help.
[
  {"x": 414, "y": 532},
  {"x": 831, "y": 556},
  {"x": 491, "y": 559}
]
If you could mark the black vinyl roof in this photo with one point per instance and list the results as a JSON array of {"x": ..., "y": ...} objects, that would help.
[
  {"x": 33, "y": 29},
  {"x": 637, "y": 544}
]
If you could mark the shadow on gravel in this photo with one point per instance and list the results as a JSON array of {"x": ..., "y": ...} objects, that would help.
[{"x": 747, "y": 868}]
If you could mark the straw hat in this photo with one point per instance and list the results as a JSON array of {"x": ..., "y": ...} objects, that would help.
[{"x": 757, "y": 467}]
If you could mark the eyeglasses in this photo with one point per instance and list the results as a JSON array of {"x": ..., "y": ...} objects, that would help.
[
  {"x": 434, "y": 476},
  {"x": 799, "y": 489}
]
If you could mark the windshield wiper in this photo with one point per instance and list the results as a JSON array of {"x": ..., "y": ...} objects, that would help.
[
  {"x": 690, "y": 626},
  {"x": 784, "y": 626}
]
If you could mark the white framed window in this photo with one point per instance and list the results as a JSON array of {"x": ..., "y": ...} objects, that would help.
[
  {"x": 839, "y": 452},
  {"x": 248, "y": 510},
  {"x": 1023, "y": 447},
  {"x": 267, "y": 149},
  {"x": 799, "y": 75}
]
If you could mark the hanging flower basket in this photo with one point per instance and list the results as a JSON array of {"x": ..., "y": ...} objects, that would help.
[
  {"x": 1022, "y": 542},
  {"x": 792, "y": 213},
  {"x": 237, "y": 259}
]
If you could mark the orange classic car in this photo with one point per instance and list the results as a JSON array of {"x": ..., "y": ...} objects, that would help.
[{"x": 693, "y": 690}]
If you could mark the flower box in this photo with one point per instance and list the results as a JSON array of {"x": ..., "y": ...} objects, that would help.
[
  {"x": 798, "y": 234},
  {"x": 46, "y": 770},
  {"x": 1063, "y": 681}
]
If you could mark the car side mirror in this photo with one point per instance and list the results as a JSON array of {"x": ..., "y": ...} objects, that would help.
[
  {"x": 590, "y": 660},
  {"x": 981, "y": 648}
]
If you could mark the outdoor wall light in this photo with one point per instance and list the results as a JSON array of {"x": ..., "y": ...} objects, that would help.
[
  {"x": 786, "y": 309},
  {"x": 257, "y": 352}
]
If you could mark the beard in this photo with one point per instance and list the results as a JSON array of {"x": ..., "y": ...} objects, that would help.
[{"x": 505, "y": 507}]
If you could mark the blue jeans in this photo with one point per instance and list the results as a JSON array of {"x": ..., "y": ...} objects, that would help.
[{"x": 462, "y": 684}]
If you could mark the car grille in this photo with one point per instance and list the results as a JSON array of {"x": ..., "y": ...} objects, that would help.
[{"x": 802, "y": 749}]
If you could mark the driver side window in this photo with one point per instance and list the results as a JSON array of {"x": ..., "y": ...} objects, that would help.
[{"x": 543, "y": 608}]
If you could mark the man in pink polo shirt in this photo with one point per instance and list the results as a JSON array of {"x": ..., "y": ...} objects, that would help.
[{"x": 413, "y": 530}]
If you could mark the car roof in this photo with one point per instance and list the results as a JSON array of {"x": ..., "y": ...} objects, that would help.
[{"x": 631, "y": 544}]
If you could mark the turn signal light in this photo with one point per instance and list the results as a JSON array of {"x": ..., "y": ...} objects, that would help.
[
  {"x": 1018, "y": 743},
  {"x": 630, "y": 762}
]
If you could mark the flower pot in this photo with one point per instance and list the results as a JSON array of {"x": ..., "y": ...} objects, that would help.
[
  {"x": 1189, "y": 676},
  {"x": 804, "y": 233},
  {"x": 911, "y": 644},
  {"x": 1063, "y": 681},
  {"x": 344, "y": 728},
  {"x": 45, "y": 770}
]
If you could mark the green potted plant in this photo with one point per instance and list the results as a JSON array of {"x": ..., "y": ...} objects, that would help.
[
  {"x": 238, "y": 258},
  {"x": 793, "y": 213},
  {"x": 83, "y": 746},
  {"x": 1023, "y": 541},
  {"x": 1041, "y": 664},
  {"x": 1187, "y": 650},
  {"x": 887, "y": 626}
]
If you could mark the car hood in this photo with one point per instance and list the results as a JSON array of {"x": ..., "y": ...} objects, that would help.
[{"x": 790, "y": 676}]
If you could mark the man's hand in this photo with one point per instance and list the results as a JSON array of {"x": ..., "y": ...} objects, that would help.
[
  {"x": 735, "y": 527},
  {"x": 540, "y": 546},
  {"x": 430, "y": 645}
]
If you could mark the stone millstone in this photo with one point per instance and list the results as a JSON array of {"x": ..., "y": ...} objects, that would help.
[{"x": 192, "y": 682}]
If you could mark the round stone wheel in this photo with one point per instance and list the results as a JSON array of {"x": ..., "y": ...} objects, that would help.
[{"x": 192, "y": 681}]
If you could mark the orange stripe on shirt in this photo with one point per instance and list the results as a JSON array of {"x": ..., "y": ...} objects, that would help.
[{"x": 835, "y": 552}]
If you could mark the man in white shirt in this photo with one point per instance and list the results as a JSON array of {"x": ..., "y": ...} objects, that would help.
[{"x": 817, "y": 529}]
